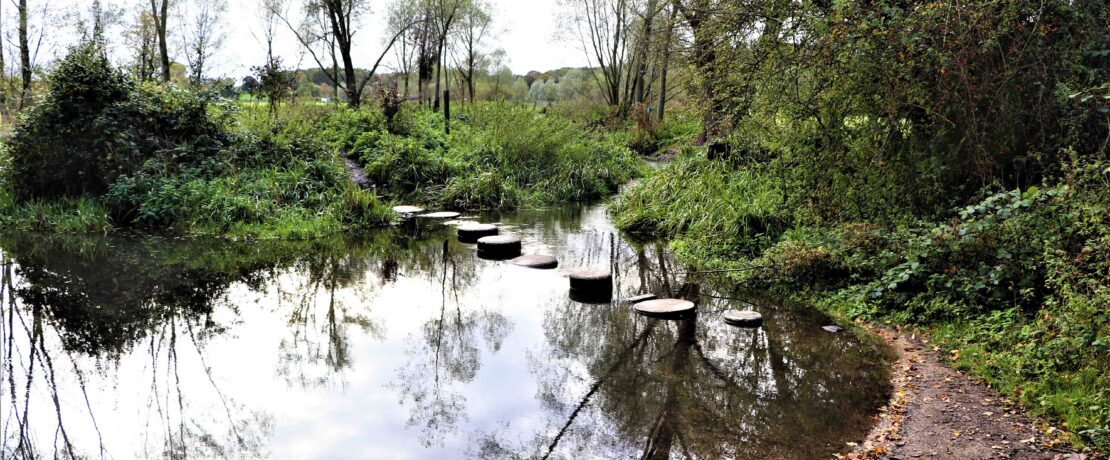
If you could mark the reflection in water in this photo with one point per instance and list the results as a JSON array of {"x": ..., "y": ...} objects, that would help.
[{"x": 403, "y": 344}]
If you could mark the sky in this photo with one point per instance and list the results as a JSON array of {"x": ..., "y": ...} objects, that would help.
[{"x": 528, "y": 31}]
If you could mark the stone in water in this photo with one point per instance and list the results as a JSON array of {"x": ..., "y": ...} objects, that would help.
[
  {"x": 440, "y": 215},
  {"x": 407, "y": 209},
  {"x": 665, "y": 308},
  {"x": 743, "y": 318},
  {"x": 471, "y": 232},
  {"x": 537, "y": 261}
]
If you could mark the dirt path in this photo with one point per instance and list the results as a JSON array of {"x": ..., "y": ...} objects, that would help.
[
  {"x": 356, "y": 174},
  {"x": 940, "y": 413}
]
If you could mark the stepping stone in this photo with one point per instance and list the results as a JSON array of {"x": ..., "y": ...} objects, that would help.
[
  {"x": 640, "y": 299},
  {"x": 743, "y": 318},
  {"x": 407, "y": 209},
  {"x": 440, "y": 215},
  {"x": 834, "y": 329},
  {"x": 499, "y": 247},
  {"x": 588, "y": 280},
  {"x": 539, "y": 262},
  {"x": 470, "y": 232},
  {"x": 665, "y": 308}
]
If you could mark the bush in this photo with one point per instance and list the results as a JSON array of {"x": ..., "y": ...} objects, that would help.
[{"x": 95, "y": 125}]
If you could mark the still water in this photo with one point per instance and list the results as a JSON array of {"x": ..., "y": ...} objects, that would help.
[{"x": 403, "y": 344}]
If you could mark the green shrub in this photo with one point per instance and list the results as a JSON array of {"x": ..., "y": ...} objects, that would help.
[{"x": 95, "y": 125}]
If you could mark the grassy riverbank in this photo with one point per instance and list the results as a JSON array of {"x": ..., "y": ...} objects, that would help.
[
  {"x": 1012, "y": 287},
  {"x": 154, "y": 158}
]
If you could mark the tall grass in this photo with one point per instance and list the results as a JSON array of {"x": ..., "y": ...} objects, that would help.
[{"x": 705, "y": 200}]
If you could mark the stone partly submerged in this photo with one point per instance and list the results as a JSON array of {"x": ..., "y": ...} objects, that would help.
[
  {"x": 470, "y": 233},
  {"x": 590, "y": 285},
  {"x": 537, "y": 261},
  {"x": 440, "y": 215},
  {"x": 743, "y": 318},
  {"x": 407, "y": 210},
  {"x": 665, "y": 308},
  {"x": 500, "y": 247},
  {"x": 640, "y": 299}
]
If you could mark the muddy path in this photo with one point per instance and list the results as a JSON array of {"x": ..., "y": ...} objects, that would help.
[{"x": 936, "y": 412}]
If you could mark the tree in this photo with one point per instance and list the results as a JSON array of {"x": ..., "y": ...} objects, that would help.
[
  {"x": 474, "y": 26},
  {"x": 24, "y": 53},
  {"x": 603, "y": 28},
  {"x": 159, "y": 12},
  {"x": 142, "y": 40},
  {"x": 203, "y": 35},
  {"x": 446, "y": 11},
  {"x": 340, "y": 20}
]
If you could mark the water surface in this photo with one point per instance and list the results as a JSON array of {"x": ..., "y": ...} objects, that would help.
[{"x": 403, "y": 344}]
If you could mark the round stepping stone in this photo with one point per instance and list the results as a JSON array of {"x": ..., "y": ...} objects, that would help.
[
  {"x": 471, "y": 233},
  {"x": 743, "y": 318},
  {"x": 409, "y": 210},
  {"x": 499, "y": 247},
  {"x": 440, "y": 215},
  {"x": 833, "y": 329},
  {"x": 665, "y": 308},
  {"x": 588, "y": 281},
  {"x": 540, "y": 262},
  {"x": 640, "y": 299}
]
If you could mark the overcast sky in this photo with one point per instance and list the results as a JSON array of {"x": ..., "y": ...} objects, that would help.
[{"x": 528, "y": 30}]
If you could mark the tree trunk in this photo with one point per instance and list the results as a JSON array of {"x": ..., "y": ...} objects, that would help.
[
  {"x": 666, "y": 63},
  {"x": 24, "y": 55},
  {"x": 160, "y": 18}
]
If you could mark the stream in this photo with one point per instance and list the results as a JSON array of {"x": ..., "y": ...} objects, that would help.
[{"x": 403, "y": 344}]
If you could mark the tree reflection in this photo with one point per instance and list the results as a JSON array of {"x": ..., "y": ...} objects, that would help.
[
  {"x": 74, "y": 306},
  {"x": 449, "y": 352},
  {"x": 619, "y": 385}
]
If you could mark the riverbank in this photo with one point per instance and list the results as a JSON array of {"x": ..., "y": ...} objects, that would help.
[{"x": 1012, "y": 287}]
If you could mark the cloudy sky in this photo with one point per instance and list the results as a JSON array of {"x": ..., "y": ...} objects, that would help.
[{"x": 528, "y": 30}]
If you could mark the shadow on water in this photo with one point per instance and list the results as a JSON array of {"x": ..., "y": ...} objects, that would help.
[{"x": 403, "y": 343}]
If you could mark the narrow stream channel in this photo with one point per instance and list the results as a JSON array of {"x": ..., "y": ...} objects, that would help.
[{"x": 403, "y": 344}]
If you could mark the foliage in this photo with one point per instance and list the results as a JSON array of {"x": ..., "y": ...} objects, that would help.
[
  {"x": 159, "y": 158},
  {"x": 502, "y": 156},
  {"x": 95, "y": 125},
  {"x": 726, "y": 207}
]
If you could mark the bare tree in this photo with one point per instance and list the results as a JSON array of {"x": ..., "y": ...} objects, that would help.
[
  {"x": 474, "y": 26},
  {"x": 446, "y": 12},
  {"x": 403, "y": 17},
  {"x": 603, "y": 27},
  {"x": 203, "y": 35},
  {"x": 342, "y": 19}
]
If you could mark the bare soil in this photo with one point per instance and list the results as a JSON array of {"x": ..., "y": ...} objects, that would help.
[{"x": 936, "y": 412}]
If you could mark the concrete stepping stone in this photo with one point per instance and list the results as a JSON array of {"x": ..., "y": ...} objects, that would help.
[
  {"x": 470, "y": 232},
  {"x": 499, "y": 247},
  {"x": 537, "y": 261},
  {"x": 743, "y": 318},
  {"x": 440, "y": 215},
  {"x": 407, "y": 209},
  {"x": 665, "y": 308},
  {"x": 591, "y": 280}
]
